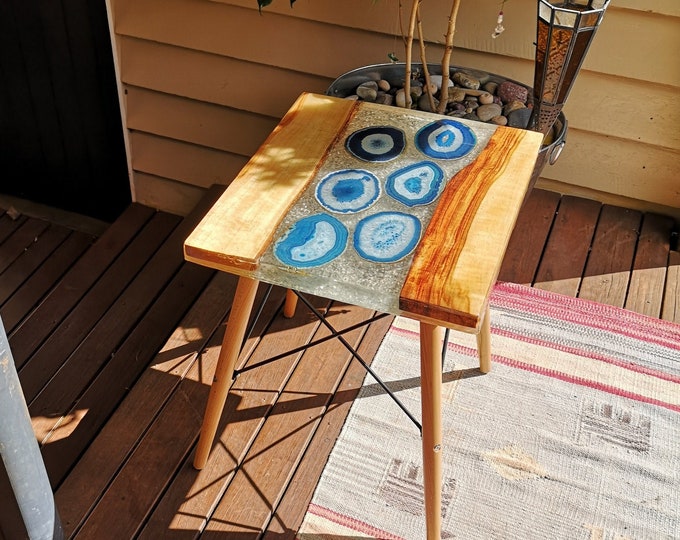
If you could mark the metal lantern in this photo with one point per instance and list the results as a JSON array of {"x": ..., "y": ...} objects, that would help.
[{"x": 564, "y": 32}]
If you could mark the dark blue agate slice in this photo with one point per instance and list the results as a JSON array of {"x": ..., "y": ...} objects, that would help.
[
  {"x": 379, "y": 143},
  {"x": 445, "y": 139},
  {"x": 416, "y": 185},
  {"x": 348, "y": 191},
  {"x": 387, "y": 236},
  {"x": 312, "y": 241}
]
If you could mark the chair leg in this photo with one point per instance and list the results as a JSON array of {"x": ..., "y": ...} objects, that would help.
[
  {"x": 290, "y": 304},
  {"x": 484, "y": 343},
  {"x": 431, "y": 391},
  {"x": 231, "y": 347}
]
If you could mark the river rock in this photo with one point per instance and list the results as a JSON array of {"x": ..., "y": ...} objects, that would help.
[
  {"x": 491, "y": 87},
  {"x": 519, "y": 118},
  {"x": 424, "y": 103},
  {"x": 456, "y": 95},
  {"x": 384, "y": 85},
  {"x": 466, "y": 80},
  {"x": 510, "y": 91},
  {"x": 437, "y": 80},
  {"x": 512, "y": 106},
  {"x": 488, "y": 111},
  {"x": 485, "y": 98},
  {"x": 500, "y": 120},
  {"x": 368, "y": 91},
  {"x": 384, "y": 98}
]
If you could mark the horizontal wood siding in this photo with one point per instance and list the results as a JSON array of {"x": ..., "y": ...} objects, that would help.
[{"x": 206, "y": 81}]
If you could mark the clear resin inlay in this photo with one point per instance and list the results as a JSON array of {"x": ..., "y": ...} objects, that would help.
[{"x": 369, "y": 204}]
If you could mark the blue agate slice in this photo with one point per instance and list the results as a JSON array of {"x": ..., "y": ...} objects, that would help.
[
  {"x": 387, "y": 236},
  {"x": 378, "y": 143},
  {"x": 445, "y": 139},
  {"x": 312, "y": 241},
  {"x": 418, "y": 184},
  {"x": 348, "y": 191}
]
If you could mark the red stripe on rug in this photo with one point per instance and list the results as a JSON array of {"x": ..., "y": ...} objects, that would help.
[
  {"x": 585, "y": 353},
  {"x": 587, "y": 313},
  {"x": 467, "y": 351},
  {"x": 351, "y": 523}
]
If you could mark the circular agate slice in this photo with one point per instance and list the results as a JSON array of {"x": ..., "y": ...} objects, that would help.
[
  {"x": 445, "y": 139},
  {"x": 417, "y": 184},
  {"x": 379, "y": 143},
  {"x": 312, "y": 241},
  {"x": 387, "y": 236},
  {"x": 348, "y": 191}
]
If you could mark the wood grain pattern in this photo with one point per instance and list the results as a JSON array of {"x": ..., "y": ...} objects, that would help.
[
  {"x": 263, "y": 192},
  {"x": 461, "y": 251}
]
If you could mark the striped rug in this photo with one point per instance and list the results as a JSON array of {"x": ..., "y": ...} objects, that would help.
[{"x": 574, "y": 434}]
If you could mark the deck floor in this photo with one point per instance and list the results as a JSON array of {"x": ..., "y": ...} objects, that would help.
[{"x": 116, "y": 338}]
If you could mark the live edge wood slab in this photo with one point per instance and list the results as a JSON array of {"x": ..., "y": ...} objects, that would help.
[{"x": 460, "y": 251}]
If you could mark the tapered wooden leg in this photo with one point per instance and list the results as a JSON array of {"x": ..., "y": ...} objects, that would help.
[
  {"x": 290, "y": 304},
  {"x": 231, "y": 347},
  {"x": 431, "y": 391},
  {"x": 484, "y": 343}
]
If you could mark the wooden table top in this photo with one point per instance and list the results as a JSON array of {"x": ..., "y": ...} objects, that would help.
[{"x": 400, "y": 211}]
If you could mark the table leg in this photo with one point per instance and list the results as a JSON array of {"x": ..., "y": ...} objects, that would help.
[
  {"x": 431, "y": 391},
  {"x": 231, "y": 347},
  {"x": 484, "y": 343},
  {"x": 290, "y": 304}
]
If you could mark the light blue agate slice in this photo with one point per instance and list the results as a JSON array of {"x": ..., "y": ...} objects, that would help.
[
  {"x": 312, "y": 241},
  {"x": 348, "y": 191},
  {"x": 387, "y": 236},
  {"x": 377, "y": 143},
  {"x": 416, "y": 185},
  {"x": 445, "y": 139}
]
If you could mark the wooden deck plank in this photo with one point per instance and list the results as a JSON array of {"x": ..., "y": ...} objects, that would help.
[
  {"x": 35, "y": 371},
  {"x": 645, "y": 293},
  {"x": 671, "y": 297},
  {"x": 610, "y": 263},
  {"x": 289, "y": 514},
  {"x": 135, "y": 473},
  {"x": 120, "y": 373},
  {"x": 529, "y": 237},
  {"x": 9, "y": 224},
  {"x": 93, "y": 473},
  {"x": 20, "y": 240},
  {"x": 180, "y": 419},
  {"x": 119, "y": 345},
  {"x": 267, "y": 468},
  {"x": 81, "y": 276},
  {"x": 189, "y": 503},
  {"x": 38, "y": 285},
  {"x": 567, "y": 248},
  {"x": 30, "y": 260}
]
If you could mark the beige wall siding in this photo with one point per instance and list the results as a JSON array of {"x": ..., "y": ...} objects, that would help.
[{"x": 206, "y": 81}]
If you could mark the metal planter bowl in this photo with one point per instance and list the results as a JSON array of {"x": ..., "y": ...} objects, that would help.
[{"x": 346, "y": 84}]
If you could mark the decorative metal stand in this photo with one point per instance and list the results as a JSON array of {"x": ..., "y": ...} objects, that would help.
[{"x": 564, "y": 32}]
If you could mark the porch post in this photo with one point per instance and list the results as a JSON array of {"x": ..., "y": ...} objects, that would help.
[{"x": 21, "y": 455}]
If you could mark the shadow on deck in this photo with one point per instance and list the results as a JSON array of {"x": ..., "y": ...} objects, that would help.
[{"x": 116, "y": 338}]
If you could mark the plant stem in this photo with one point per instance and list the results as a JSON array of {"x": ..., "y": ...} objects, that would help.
[
  {"x": 409, "y": 51},
  {"x": 423, "y": 60},
  {"x": 446, "y": 60}
]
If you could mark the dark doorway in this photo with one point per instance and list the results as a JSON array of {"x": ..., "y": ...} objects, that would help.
[{"x": 61, "y": 140}]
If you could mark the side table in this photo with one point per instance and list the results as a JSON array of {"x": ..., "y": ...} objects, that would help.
[{"x": 398, "y": 211}]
